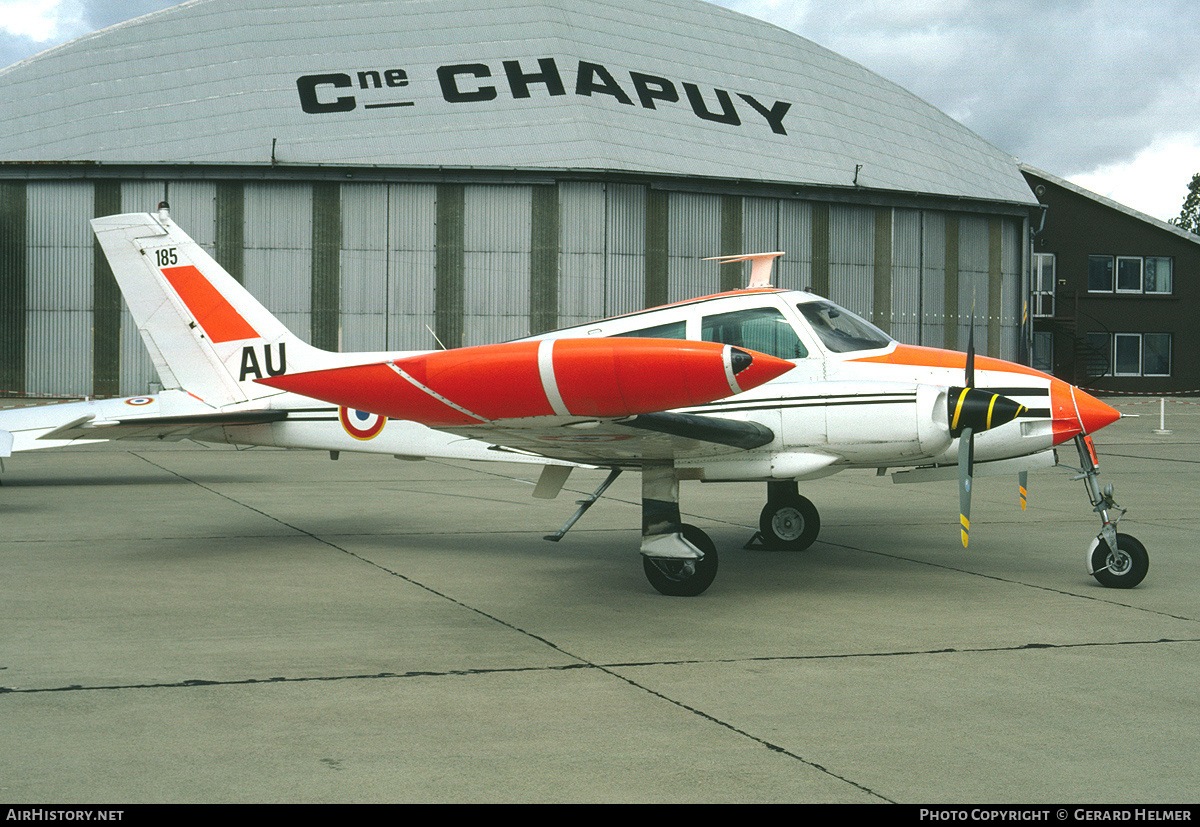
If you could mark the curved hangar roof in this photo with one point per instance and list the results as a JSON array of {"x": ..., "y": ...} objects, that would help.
[{"x": 677, "y": 87}]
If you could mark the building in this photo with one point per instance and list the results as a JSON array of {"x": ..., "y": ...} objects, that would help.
[
  {"x": 382, "y": 172},
  {"x": 1113, "y": 291}
]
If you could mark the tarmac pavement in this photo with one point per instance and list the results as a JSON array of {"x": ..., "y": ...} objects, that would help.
[{"x": 188, "y": 624}]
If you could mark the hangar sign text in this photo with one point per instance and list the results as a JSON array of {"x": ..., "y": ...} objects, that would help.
[{"x": 467, "y": 83}]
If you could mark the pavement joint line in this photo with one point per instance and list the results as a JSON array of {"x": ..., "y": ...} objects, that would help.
[
  {"x": 584, "y": 662},
  {"x": 998, "y": 579},
  {"x": 586, "y": 665}
]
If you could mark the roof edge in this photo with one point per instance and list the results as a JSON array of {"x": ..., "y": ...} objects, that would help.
[{"x": 1111, "y": 204}]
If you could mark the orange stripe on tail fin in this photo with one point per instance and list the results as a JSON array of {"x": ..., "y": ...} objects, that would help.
[{"x": 220, "y": 321}]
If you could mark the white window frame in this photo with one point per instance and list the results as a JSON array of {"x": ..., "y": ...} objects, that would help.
[
  {"x": 1116, "y": 353},
  {"x": 1140, "y": 274},
  {"x": 1040, "y": 288}
]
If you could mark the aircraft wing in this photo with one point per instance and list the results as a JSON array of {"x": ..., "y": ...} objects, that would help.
[{"x": 629, "y": 441}]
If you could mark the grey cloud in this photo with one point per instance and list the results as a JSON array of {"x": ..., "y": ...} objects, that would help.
[{"x": 1066, "y": 86}]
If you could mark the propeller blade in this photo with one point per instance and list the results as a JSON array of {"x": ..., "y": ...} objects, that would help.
[
  {"x": 1023, "y": 484},
  {"x": 966, "y": 459},
  {"x": 970, "y": 378}
]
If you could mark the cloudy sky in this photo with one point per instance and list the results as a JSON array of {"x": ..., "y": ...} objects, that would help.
[{"x": 1105, "y": 93}]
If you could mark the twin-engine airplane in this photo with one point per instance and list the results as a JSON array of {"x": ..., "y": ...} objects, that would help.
[{"x": 758, "y": 384}]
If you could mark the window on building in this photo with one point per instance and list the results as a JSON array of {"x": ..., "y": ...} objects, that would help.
[
  {"x": 1043, "y": 351},
  {"x": 1043, "y": 285},
  {"x": 1158, "y": 274},
  {"x": 1130, "y": 274},
  {"x": 1127, "y": 354},
  {"x": 1100, "y": 274},
  {"x": 1156, "y": 354}
]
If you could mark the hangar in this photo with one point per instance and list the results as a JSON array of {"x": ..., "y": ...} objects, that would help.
[{"x": 393, "y": 174}]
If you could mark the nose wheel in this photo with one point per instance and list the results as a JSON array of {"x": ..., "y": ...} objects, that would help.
[{"x": 1122, "y": 568}]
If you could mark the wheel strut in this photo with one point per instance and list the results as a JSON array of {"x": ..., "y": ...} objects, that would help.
[{"x": 1115, "y": 560}]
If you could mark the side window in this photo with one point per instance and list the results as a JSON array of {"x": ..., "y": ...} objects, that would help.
[
  {"x": 674, "y": 330},
  {"x": 763, "y": 329}
]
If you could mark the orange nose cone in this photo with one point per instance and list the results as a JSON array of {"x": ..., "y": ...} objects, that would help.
[
  {"x": 1075, "y": 411},
  {"x": 1094, "y": 414}
]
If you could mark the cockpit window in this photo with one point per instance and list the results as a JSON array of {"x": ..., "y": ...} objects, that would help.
[
  {"x": 673, "y": 330},
  {"x": 763, "y": 329},
  {"x": 840, "y": 330}
]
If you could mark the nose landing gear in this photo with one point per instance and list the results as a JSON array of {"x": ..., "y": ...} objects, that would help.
[{"x": 1117, "y": 561}]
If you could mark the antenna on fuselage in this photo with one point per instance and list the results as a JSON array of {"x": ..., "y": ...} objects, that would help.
[{"x": 760, "y": 267}]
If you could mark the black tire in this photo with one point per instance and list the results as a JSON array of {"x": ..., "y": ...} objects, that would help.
[
  {"x": 790, "y": 524},
  {"x": 1122, "y": 570},
  {"x": 684, "y": 578}
]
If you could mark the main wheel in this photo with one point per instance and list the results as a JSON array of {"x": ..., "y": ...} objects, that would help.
[
  {"x": 684, "y": 578},
  {"x": 1123, "y": 569},
  {"x": 790, "y": 524}
]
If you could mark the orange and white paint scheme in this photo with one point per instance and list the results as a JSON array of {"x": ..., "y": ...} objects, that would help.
[{"x": 768, "y": 385}]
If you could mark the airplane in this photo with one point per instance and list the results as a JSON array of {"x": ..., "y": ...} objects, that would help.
[{"x": 760, "y": 384}]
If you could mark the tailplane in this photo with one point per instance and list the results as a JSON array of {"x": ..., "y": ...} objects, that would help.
[{"x": 206, "y": 334}]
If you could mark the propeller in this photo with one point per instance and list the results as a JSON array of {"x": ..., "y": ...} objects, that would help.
[{"x": 971, "y": 410}]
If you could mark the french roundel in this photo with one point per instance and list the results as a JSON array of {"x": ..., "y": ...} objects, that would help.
[{"x": 360, "y": 424}]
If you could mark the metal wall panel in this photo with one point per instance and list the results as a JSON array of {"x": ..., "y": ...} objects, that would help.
[
  {"x": 1011, "y": 263},
  {"x": 278, "y": 257},
  {"x": 933, "y": 284},
  {"x": 59, "y": 291},
  {"x": 59, "y": 348},
  {"x": 760, "y": 225},
  {"x": 583, "y": 275},
  {"x": 363, "y": 265},
  {"x": 906, "y": 276},
  {"x": 496, "y": 263},
  {"x": 625, "y": 250},
  {"x": 852, "y": 258},
  {"x": 973, "y": 263},
  {"x": 412, "y": 233},
  {"x": 794, "y": 270},
  {"x": 693, "y": 234}
]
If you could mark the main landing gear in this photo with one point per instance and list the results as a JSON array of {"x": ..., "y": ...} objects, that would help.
[
  {"x": 1117, "y": 561},
  {"x": 789, "y": 522},
  {"x": 681, "y": 560}
]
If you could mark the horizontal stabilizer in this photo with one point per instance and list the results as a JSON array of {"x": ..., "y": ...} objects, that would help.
[
  {"x": 231, "y": 418},
  {"x": 6, "y": 444},
  {"x": 162, "y": 427},
  {"x": 732, "y": 432}
]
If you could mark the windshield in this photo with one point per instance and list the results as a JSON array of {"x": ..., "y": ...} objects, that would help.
[{"x": 840, "y": 330}]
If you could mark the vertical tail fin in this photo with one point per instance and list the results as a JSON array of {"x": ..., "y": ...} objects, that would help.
[{"x": 206, "y": 334}]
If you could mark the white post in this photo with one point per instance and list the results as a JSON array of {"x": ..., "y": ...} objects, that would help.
[{"x": 1162, "y": 416}]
